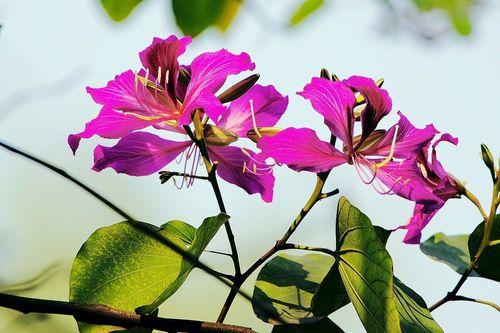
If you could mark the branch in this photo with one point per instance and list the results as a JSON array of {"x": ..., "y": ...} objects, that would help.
[
  {"x": 475, "y": 300},
  {"x": 104, "y": 315}
]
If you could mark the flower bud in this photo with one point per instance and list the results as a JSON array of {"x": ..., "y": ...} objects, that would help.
[
  {"x": 262, "y": 131},
  {"x": 217, "y": 136},
  {"x": 238, "y": 89},
  {"x": 325, "y": 74},
  {"x": 184, "y": 75},
  {"x": 488, "y": 160}
]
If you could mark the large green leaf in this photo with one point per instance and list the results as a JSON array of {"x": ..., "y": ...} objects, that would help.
[
  {"x": 194, "y": 16},
  {"x": 228, "y": 13},
  {"x": 330, "y": 295},
  {"x": 285, "y": 287},
  {"x": 451, "y": 250},
  {"x": 413, "y": 313},
  {"x": 488, "y": 264},
  {"x": 325, "y": 325},
  {"x": 305, "y": 9},
  {"x": 366, "y": 270},
  {"x": 119, "y": 10},
  {"x": 125, "y": 267},
  {"x": 457, "y": 10}
]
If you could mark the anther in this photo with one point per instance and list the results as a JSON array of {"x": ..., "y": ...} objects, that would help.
[{"x": 252, "y": 111}]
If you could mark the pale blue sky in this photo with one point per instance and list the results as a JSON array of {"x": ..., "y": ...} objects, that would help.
[{"x": 452, "y": 84}]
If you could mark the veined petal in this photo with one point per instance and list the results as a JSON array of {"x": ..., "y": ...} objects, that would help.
[
  {"x": 268, "y": 104},
  {"x": 208, "y": 73},
  {"x": 138, "y": 154},
  {"x": 242, "y": 168},
  {"x": 161, "y": 56},
  {"x": 409, "y": 140},
  {"x": 127, "y": 94},
  {"x": 301, "y": 149},
  {"x": 378, "y": 102},
  {"x": 421, "y": 217},
  {"x": 335, "y": 102},
  {"x": 108, "y": 124}
]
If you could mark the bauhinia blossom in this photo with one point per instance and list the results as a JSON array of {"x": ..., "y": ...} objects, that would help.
[
  {"x": 386, "y": 159},
  {"x": 157, "y": 96},
  {"x": 143, "y": 153}
]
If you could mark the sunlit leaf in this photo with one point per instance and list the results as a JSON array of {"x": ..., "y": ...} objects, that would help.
[
  {"x": 488, "y": 264},
  {"x": 450, "y": 250},
  {"x": 119, "y": 10},
  {"x": 228, "y": 13},
  {"x": 325, "y": 325},
  {"x": 366, "y": 270},
  {"x": 124, "y": 267},
  {"x": 457, "y": 11},
  {"x": 305, "y": 9},
  {"x": 285, "y": 287},
  {"x": 413, "y": 313},
  {"x": 194, "y": 16}
]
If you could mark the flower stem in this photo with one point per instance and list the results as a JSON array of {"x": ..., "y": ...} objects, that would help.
[
  {"x": 281, "y": 244},
  {"x": 488, "y": 227}
]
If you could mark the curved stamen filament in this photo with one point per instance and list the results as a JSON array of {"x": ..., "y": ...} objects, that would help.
[
  {"x": 254, "y": 122},
  {"x": 247, "y": 154},
  {"x": 391, "y": 152}
]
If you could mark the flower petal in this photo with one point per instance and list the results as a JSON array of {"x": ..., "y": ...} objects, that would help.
[
  {"x": 138, "y": 154},
  {"x": 125, "y": 94},
  {"x": 409, "y": 141},
  {"x": 417, "y": 223},
  {"x": 232, "y": 161},
  {"x": 208, "y": 73},
  {"x": 108, "y": 124},
  {"x": 301, "y": 149},
  {"x": 335, "y": 102},
  {"x": 378, "y": 102},
  {"x": 268, "y": 104},
  {"x": 162, "y": 54}
]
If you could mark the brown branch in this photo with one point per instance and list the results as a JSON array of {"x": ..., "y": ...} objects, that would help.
[{"x": 104, "y": 315}]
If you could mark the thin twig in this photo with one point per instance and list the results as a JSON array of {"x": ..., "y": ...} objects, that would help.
[
  {"x": 104, "y": 315},
  {"x": 475, "y": 300}
]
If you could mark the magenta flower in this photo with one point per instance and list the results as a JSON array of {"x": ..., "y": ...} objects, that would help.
[
  {"x": 441, "y": 183},
  {"x": 142, "y": 153},
  {"x": 386, "y": 159},
  {"x": 155, "y": 96}
]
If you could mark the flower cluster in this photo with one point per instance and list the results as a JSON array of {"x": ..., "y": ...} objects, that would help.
[{"x": 168, "y": 97}]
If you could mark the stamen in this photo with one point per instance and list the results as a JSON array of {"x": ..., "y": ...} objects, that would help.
[
  {"x": 146, "y": 78},
  {"x": 252, "y": 112},
  {"x": 423, "y": 170},
  {"x": 158, "y": 77},
  {"x": 391, "y": 153},
  {"x": 136, "y": 80}
]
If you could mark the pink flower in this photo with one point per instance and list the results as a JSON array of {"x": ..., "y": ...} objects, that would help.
[
  {"x": 142, "y": 153},
  {"x": 386, "y": 159},
  {"x": 156, "y": 96}
]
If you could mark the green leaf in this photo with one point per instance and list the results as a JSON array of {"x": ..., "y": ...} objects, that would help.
[
  {"x": 119, "y": 10},
  {"x": 451, "y": 250},
  {"x": 488, "y": 264},
  {"x": 366, "y": 269},
  {"x": 325, "y": 325},
  {"x": 414, "y": 315},
  {"x": 285, "y": 287},
  {"x": 185, "y": 232},
  {"x": 305, "y": 9},
  {"x": 227, "y": 14},
  {"x": 124, "y": 267},
  {"x": 457, "y": 11},
  {"x": 330, "y": 295},
  {"x": 203, "y": 236},
  {"x": 383, "y": 234},
  {"x": 194, "y": 16}
]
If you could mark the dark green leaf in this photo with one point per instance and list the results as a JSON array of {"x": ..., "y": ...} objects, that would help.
[
  {"x": 285, "y": 287},
  {"x": 383, "y": 234},
  {"x": 194, "y": 16},
  {"x": 488, "y": 264},
  {"x": 305, "y": 9},
  {"x": 413, "y": 313},
  {"x": 330, "y": 295},
  {"x": 119, "y": 10},
  {"x": 366, "y": 270},
  {"x": 451, "y": 250},
  {"x": 325, "y": 325}
]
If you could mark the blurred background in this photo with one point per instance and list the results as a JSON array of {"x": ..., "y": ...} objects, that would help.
[{"x": 440, "y": 61}]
